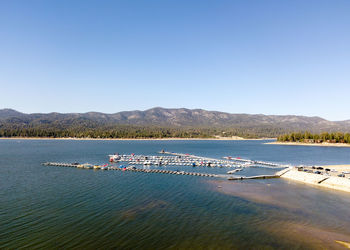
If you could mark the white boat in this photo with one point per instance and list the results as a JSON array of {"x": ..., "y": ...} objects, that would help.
[
  {"x": 114, "y": 158},
  {"x": 87, "y": 166},
  {"x": 247, "y": 164}
]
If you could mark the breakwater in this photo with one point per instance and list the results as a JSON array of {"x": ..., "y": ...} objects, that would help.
[{"x": 129, "y": 168}]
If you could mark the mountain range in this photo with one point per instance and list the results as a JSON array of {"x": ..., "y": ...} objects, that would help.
[{"x": 173, "y": 118}]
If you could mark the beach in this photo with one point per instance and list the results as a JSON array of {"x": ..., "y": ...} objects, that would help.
[
  {"x": 331, "y": 181},
  {"x": 233, "y": 138},
  {"x": 324, "y": 144}
]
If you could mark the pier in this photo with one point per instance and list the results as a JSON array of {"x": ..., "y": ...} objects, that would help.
[
  {"x": 234, "y": 178},
  {"x": 256, "y": 163}
]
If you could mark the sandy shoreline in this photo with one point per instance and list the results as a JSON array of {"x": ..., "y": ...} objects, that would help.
[
  {"x": 324, "y": 181},
  {"x": 135, "y": 139},
  {"x": 324, "y": 144}
]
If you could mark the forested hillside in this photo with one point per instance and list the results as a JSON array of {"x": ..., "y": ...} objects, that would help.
[{"x": 160, "y": 123}]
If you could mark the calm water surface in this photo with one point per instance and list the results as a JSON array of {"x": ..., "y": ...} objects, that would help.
[{"x": 53, "y": 207}]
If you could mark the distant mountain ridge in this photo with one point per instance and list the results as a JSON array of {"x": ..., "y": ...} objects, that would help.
[
  {"x": 163, "y": 117},
  {"x": 7, "y": 113}
]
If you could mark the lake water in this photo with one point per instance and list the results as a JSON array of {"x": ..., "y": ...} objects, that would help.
[{"x": 54, "y": 207}]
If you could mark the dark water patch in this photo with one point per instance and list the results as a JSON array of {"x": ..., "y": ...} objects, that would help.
[
  {"x": 141, "y": 210},
  {"x": 312, "y": 218}
]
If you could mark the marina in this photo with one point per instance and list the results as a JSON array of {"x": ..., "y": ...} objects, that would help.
[
  {"x": 173, "y": 159},
  {"x": 321, "y": 176},
  {"x": 130, "y": 161}
]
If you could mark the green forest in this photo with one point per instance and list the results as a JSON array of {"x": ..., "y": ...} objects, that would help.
[
  {"x": 308, "y": 137},
  {"x": 127, "y": 131}
]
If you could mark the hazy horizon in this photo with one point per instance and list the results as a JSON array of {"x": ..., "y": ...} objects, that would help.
[{"x": 271, "y": 57}]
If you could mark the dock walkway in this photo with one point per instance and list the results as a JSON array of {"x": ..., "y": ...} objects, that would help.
[{"x": 234, "y": 178}]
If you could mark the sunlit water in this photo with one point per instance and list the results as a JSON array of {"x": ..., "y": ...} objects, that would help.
[{"x": 55, "y": 207}]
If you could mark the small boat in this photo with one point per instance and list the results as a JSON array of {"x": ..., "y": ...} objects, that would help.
[
  {"x": 247, "y": 164},
  {"x": 114, "y": 158},
  {"x": 87, "y": 166}
]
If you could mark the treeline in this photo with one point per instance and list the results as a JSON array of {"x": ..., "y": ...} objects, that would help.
[
  {"x": 308, "y": 137},
  {"x": 127, "y": 131},
  {"x": 121, "y": 132}
]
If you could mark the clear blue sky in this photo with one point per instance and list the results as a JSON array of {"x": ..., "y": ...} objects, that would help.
[{"x": 270, "y": 57}]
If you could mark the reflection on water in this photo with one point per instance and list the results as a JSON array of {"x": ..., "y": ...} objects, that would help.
[{"x": 53, "y": 207}]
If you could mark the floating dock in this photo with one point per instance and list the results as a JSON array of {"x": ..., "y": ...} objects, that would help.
[
  {"x": 130, "y": 168},
  {"x": 234, "y": 178},
  {"x": 228, "y": 161},
  {"x": 172, "y": 160},
  {"x": 256, "y": 163}
]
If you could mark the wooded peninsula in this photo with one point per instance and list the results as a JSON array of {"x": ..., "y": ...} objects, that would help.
[{"x": 308, "y": 137}]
